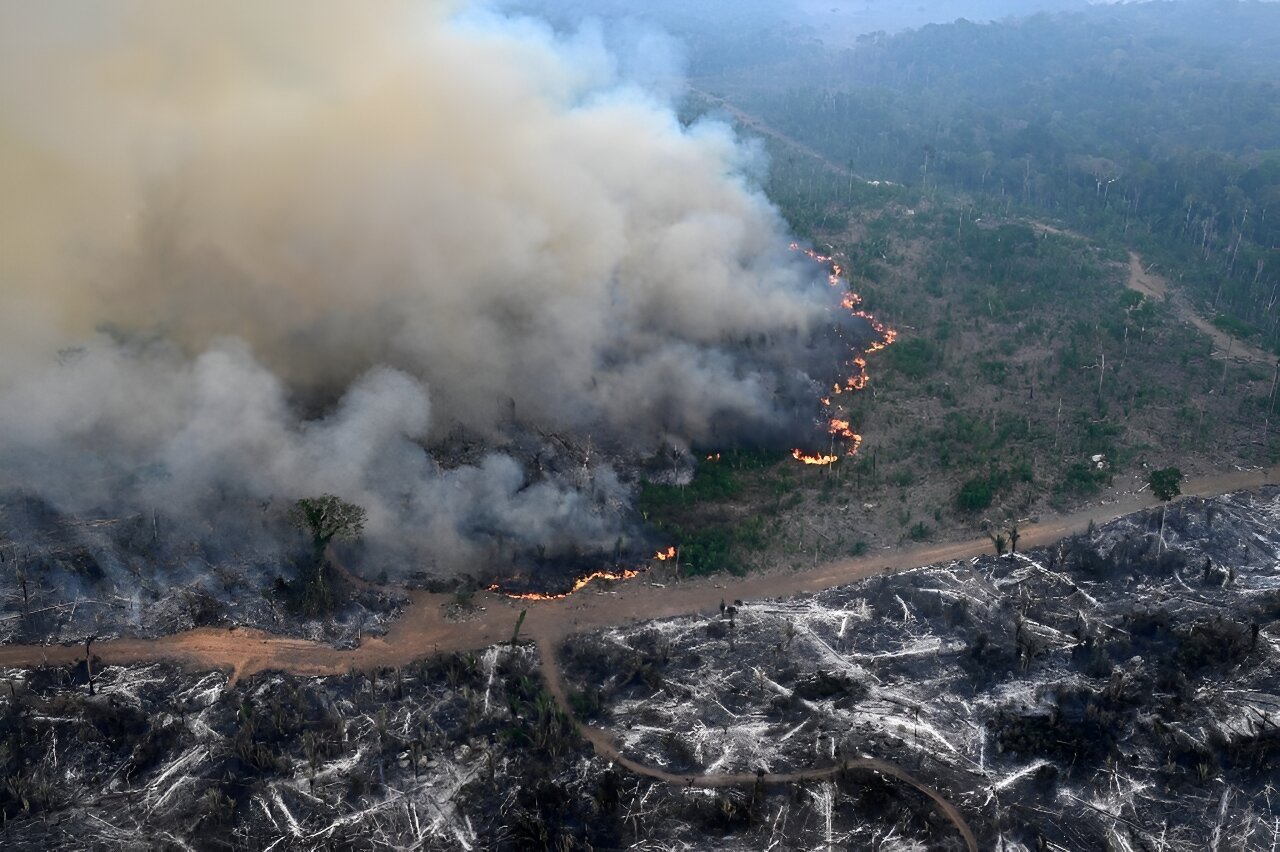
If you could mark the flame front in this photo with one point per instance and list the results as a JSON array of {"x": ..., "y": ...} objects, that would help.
[
  {"x": 800, "y": 456},
  {"x": 578, "y": 585},
  {"x": 582, "y": 582},
  {"x": 837, "y": 426}
]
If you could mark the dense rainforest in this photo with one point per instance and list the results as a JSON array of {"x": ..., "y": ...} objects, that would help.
[{"x": 1157, "y": 124}]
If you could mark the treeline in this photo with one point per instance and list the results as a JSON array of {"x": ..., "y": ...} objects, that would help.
[{"x": 1157, "y": 124}]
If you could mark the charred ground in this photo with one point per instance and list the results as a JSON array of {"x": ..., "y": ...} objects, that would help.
[{"x": 1117, "y": 689}]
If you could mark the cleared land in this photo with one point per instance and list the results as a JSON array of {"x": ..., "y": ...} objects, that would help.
[{"x": 425, "y": 629}]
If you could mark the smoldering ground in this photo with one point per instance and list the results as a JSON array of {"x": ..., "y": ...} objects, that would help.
[{"x": 257, "y": 251}]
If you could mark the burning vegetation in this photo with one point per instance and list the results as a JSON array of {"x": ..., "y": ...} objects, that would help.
[
  {"x": 578, "y": 585},
  {"x": 490, "y": 400},
  {"x": 843, "y": 438}
]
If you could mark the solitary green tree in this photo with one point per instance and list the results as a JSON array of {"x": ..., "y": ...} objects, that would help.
[
  {"x": 327, "y": 517},
  {"x": 999, "y": 541},
  {"x": 1166, "y": 483}
]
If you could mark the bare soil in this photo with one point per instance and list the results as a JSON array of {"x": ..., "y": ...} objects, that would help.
[
  {"x": 425, "y": 630},
  {"x": 1225, "y": 345}
]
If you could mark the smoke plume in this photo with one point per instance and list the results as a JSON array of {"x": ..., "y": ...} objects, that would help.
[{"x": 254, "y": 251}]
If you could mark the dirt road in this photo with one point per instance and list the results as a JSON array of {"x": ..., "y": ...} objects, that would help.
[
  {"x": 1225, "y": 345},
  {"x": 758, "y": 124},
  {"x": 1146, "y": 282},
  {"x": 424, "y": 630}
]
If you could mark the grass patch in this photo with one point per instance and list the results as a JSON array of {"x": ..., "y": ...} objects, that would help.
[
  {"x": 915, "y": 358},
  {"x": 1234, "y": 327},
  {"x": 1081, "y": 479}
]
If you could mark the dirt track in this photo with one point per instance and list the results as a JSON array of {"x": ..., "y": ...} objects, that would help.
[
  {"x": 423, "y": 630},
  {"x": 758, "y": 124},
  {"x": 1225, "y": 345},
  {"x": 1146, "y": 282},
  {"x": 605, "y": 747}
]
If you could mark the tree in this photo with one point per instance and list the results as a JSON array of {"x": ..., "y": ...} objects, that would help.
[
  {"x": 327, "y": 517},
  {"x": 515, "y": 634},
  {"x": 1166, "y": 483},
  {"x": 998, "y": 540}
]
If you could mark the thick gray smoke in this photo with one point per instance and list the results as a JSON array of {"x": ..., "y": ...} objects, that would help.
[{"x": 262, "y": 250}]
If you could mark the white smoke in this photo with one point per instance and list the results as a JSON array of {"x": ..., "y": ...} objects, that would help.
[{"x": 288, "y": 247}]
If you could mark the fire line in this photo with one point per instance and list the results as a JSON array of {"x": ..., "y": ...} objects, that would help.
[
  {"x": 837, "y": 424},
  {"x": 578, "y": 585},
  {"x": 582, "y": 582}
]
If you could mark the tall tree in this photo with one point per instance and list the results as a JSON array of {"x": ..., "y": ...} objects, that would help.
[
  {"x": 327, "y": 517},
  {"x": 1166, "y": 483}
]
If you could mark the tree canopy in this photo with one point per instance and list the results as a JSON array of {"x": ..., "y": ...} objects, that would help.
[
  {"x": 327, "y": 517},
  {"x": 1166, "y": 483},
  {"x": 1157, "y": 124}
]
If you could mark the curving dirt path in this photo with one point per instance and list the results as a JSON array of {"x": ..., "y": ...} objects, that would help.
[
  {"x": 1146, "y": 282},
  {"x": 424, "y": 630},
  {"x": 606, "y": 748},
  {"x": 1225, "y": 345}
]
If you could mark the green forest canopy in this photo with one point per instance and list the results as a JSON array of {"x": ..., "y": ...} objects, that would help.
[{"x": 1157, "y": 124}]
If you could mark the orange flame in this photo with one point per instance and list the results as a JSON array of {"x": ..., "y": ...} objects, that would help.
[
  {"x": 799, "y": 455},
  {"x": 582, "y": 582},
  {"x": 578, "y": 585},
  {"x": 841, "y": 428},
  {"x": 838, "y": 426}
]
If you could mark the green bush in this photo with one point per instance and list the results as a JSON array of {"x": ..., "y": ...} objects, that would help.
[
  {"x": 903, "y": 477},
  {"x": 914, "y": 358},
  {"x": 708, "y": 551},
  {"x": 1082, "y": 478},
  {"x": 994, "y": 372},
  {"x": 975, "y": 494},
  {"x": 1234, "y": 327}
]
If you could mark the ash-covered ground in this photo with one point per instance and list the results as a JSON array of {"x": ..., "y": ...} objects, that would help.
[
  {"x": 465, "y": 752},
  {"x": 66, "y": 576},
  {"x": 1111, "y": 692},
  {"x": 462, "y": 752}
]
